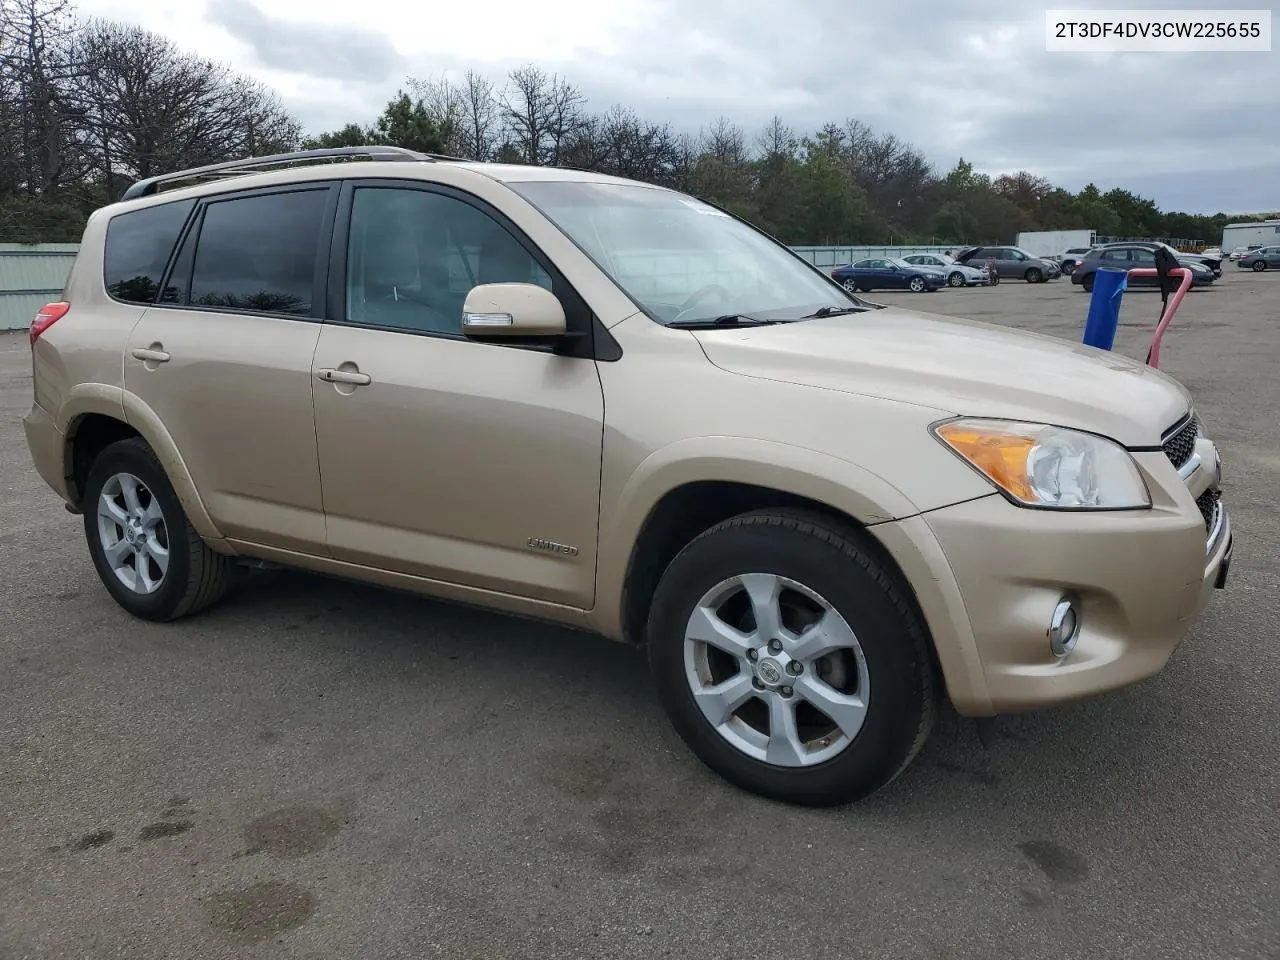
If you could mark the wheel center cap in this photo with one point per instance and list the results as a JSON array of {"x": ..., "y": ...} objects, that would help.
[{"x": 769, "y": 672}]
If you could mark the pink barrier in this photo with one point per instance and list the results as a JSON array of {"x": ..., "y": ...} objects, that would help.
[{"x": 1153, "y": 358}]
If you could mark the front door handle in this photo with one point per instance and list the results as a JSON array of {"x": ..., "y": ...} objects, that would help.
[
  {"x": 329, "y": 375},
  {"x": 150, "y": 355}
]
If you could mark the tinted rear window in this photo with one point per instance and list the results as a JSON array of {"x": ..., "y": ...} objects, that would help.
[
  {"x": 138, "y": 247},
  {"x": 259, "y": 253}
]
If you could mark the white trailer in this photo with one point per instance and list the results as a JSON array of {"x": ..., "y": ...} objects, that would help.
[
  {"x": 1051, "y": 243},
  {"x": 1263, "y": 234}
]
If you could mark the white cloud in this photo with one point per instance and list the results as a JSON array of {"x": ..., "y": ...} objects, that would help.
[{"x": 959, "y": 78}]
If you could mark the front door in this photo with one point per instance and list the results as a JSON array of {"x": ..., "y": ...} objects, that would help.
[
  {"x": 224, "y": 362},
  {"x": 470, "y": 463}
]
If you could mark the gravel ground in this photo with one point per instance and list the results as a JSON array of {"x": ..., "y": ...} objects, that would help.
[{"x": 316, "y": 769}]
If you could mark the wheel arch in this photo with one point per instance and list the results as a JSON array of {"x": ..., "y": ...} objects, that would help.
[
  {"x": 95, "y": 418},
  {"x": 689, "y": 486}
]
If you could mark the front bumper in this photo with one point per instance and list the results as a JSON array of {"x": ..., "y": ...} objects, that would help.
[{"x": 1139, "y": 580}]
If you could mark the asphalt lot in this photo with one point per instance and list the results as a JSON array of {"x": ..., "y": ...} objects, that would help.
[{"x": 322, "y": 770}]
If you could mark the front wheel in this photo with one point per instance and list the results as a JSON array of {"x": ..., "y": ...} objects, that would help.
[
  {"x": 789, "y": 659},
  {"x": 917, "y": 284},
  {"x": 956, "y": 279},
  {"x": 1087, "y": 283},
  {"x": 148, "y": 556},
  {"x": 1035, "y": 276}
]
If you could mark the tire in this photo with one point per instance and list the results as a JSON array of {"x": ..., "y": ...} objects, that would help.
[
  {"x": 851, "y": 286},
  {"x": 1259, "y": 266},
  {"x": 890, "y": 658},
  {"x": 1034, "y": 275},
  {"x": 916, "y": 284},
  {"x": 1087, "y": 283},
  {"x": 194, "y": 577},
  {"x": 956, "y": 279}
]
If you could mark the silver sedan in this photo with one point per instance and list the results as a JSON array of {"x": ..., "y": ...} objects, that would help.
[{"x": 958, "y": 274}]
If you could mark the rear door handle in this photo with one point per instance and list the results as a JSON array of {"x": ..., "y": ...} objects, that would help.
[
  {"x": 154, "y": 356},
  {"x": 329, "y": 375}
]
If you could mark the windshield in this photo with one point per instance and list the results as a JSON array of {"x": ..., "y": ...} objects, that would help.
[{"x": 680, "y": 259}]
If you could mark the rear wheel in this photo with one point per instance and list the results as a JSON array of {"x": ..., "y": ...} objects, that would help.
[
  {"x": 148, "y": 556},
  {"x": 852, "y": 286},
  {"x": 789, "y": 659},
  {"x": 1259, "y": 265}
]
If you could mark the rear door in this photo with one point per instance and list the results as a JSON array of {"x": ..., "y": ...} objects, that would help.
[
  {"x": 1273, "y": 257},
  {"x": 223, "y": 361}
]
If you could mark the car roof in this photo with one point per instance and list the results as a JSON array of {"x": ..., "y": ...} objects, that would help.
[{"x": 311, "y": 166}]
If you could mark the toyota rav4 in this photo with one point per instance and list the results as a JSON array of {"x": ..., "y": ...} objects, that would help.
[{"x": 614, "y": 406}]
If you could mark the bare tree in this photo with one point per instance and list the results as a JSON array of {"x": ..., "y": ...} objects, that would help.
[
  {"x": 468, "y": 110},
  {"x": 776, "y": 140},
  {"x": 543, "y": 114},
  {"x": 38, "y": 120},
  {"x": 444, "y": 102},
  {"x": 152, "y": 108}
]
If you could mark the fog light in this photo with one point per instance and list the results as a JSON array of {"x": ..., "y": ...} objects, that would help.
[{"x": 1064, "y": 628}]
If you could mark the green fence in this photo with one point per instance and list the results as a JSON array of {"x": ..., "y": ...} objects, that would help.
[{"x": 30, "y": 277}]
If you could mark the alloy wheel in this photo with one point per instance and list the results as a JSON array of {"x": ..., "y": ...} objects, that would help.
[{"x": 776, "y": 670}]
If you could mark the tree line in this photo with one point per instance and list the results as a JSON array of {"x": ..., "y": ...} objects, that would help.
[{"x": 89, "y": 106}]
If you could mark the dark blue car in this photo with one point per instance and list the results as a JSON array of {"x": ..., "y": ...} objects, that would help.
[{"x": 888, "y": 273}]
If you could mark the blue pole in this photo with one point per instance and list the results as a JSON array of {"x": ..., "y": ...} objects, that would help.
[{"x": 1104, "y": 307}]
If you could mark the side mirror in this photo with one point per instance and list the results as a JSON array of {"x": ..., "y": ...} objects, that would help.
[{"x": 507, "y": 310}]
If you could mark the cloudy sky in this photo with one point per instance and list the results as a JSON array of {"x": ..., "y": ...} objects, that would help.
[{"x": 1193, "y": 131}]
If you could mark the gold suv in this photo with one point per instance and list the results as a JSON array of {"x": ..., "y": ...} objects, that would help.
[{"x": 611, "y": 405}]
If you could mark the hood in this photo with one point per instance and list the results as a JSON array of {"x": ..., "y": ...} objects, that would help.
[{"x": 960, "y": 367}]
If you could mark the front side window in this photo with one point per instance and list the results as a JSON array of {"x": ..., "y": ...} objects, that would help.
[
  {"x": 137, "y": 249},
  {"x": 1144, "y": 257},
  {"x": 259, "y": 253},
  {"x": 681, "y": 259},
  {"x": 1112, "y": 256},
  {"x": 413, "y": 256}
]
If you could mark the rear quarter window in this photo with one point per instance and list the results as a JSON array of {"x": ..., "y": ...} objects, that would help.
[{"x": 138, "y": 246}]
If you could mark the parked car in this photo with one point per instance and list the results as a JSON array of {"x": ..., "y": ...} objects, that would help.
[
  {"x": 1213, "y": 263},
  {"x": 1130, "y": 256},
  {"x": 888, "y": 273},
  {"x": 1261, "y": 259},
  {"x": 1067, "y": 261},
  {"x": 1012, "y": 263},
  {"x": 1239, "y": 252},
  {"x": 1213, "y": 253},
  {"x": 958, "y": 274},
  {"x": 607, "y": 404}
]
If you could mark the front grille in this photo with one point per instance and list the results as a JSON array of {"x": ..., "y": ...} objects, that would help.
[
  {"x": 1180, "y": 442},
  {"x": 1209, "y": 505}
]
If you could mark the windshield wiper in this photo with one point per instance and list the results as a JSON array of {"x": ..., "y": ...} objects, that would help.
[
  {"x": 832, "y": 312},
  {"x": 725, "y": 320}
]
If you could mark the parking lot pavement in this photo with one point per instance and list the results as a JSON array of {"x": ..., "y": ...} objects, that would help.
[{"x": 321, "y": 770}]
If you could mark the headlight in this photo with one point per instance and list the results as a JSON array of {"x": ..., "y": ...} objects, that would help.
[{"x": 1038, "y": 465}]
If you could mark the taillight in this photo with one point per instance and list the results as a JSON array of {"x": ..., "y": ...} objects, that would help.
[{"x": 49, "y": 314}]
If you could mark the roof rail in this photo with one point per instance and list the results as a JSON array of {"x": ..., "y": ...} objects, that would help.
[{"x": 149, "y": 186}]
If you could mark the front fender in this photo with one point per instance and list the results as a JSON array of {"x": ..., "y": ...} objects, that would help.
[{"x": 855, "y": 491}]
